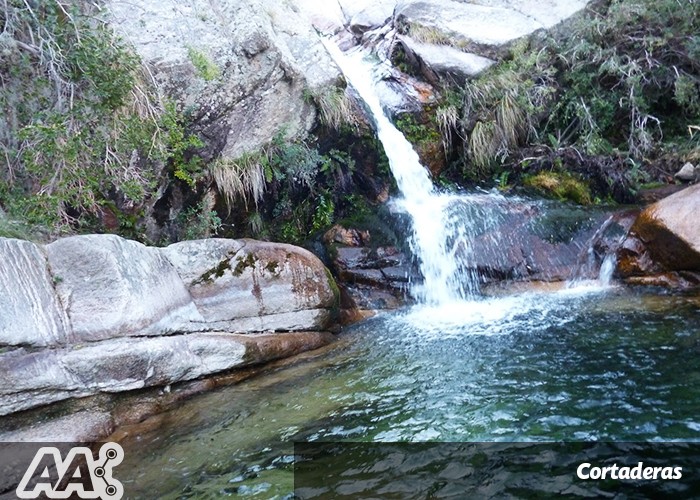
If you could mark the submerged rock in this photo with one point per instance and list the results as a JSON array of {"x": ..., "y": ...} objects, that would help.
[{"x": 664, "y": 241}]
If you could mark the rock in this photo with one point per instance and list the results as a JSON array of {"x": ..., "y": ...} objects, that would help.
[
  {"x": 30, "y": 311},
  {"x": 112, "y": 287},
  {"x": 348, "y": 237},
  {"x": 688, "y": 173},
  {"x": 249, "y": 285},
  {"x": 351, "y": 257},
  {"x": 486, "y": 25},
  {"x": 80, "y": 427},
  {"x": 241, "y": 67},
  {"x": 435, "y": 61},
  {"x": 31, "y": 379},
  {"x": 664, "y": 238},
  {"x": 372, "y": 16},
  {"x": 652, "y": 195}
]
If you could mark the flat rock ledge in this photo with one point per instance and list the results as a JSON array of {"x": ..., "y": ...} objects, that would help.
[{"x": 98, "y": 314}]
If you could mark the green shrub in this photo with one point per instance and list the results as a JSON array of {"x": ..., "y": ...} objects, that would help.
[{"x": 77, "y": 119}]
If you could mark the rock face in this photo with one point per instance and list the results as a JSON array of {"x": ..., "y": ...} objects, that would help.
[
  {"x": 485, "y": 23},
  {"x": 245, "y": 285},
  {"x": 98, "y": 313},
  {"x": 30, "y": 311},
  {"x": 242, "y": 67},
  {"x": 112, "y": 287},
  {"x": 664, "y": 242},
  {"x": 459, "y": 39},
  {"x": 440, "y": 60}
]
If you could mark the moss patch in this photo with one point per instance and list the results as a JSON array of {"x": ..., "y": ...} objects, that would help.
[
  {"x": 560, "y": 185},
  {"x": 244, "y": 263}
]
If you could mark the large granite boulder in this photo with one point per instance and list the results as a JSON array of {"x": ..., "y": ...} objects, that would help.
[
  {"x": 484, "y": 25},
  {"x": 34, "y": 378},
  {"x": 664, "y": 242},
  {"x": 112, "y": 287},
  {"x": 248, "y": 285},
  {"x": 30, "y": 311},
  {"x": 101, "y": 314},
  {"x": 241, "y": 68}
]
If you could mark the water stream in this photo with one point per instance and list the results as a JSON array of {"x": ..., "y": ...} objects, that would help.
[{"x": 575, "y": 365}]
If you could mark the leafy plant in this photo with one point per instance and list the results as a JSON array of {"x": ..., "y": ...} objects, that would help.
[{"x": 199, "y": 222}]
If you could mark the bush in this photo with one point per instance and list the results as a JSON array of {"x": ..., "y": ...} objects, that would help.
[{"x": 77, "y": 117}]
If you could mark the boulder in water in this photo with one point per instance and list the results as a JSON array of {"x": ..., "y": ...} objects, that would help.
[
  {"x": 248, "y": 285},
  {"x": 665, "y": 238}
]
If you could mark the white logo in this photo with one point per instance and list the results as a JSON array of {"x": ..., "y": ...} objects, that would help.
[{"x": 79, "y": 474}]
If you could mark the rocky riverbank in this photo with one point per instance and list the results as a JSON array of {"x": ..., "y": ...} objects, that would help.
[{"x": 100, "y": 314}]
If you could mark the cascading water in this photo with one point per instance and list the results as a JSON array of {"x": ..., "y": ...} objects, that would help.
[{"x": 442, "y": 223}]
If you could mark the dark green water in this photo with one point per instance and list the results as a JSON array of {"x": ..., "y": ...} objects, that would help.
[{"x": 581, "y": 365}]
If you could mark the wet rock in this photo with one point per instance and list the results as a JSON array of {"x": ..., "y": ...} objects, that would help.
[
  {"x": 33, "y": 379},
  {"x": 111, "y": 287},
  {"x": 688, "y": 173},
  {"x": 652, "y": 195},
  {"x": 372, "y": 278},
  {"x": 248, "y": 285},
  {"x": 664, "y": 238},
  {"x": 671, "y": 280},
  {"x": 347, "y": 237},
  {"x": 30, "y": 311},
  {"x": 436, "y": 61}
]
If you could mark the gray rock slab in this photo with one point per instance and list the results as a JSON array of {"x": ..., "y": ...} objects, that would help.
[
  {"x": 30, "y": 311},
  {"x": 112, "y": 287}
]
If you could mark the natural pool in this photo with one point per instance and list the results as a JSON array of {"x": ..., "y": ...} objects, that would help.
[{"x": 582, "y": 364}]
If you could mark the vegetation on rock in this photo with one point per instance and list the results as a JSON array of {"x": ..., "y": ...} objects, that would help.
[{"x": 619, "y": 87}]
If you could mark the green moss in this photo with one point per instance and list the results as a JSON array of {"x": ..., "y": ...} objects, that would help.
[
  {"x": 205, "y": 67},
  {"x": 336, "y": 291},
  {"x": 560, "y": 185},
  {"x": 246, "y": 262},
  {"x": 273, "y": 267}
]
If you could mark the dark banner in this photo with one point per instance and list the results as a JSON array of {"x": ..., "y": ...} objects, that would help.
[{"x": 496, "y": 470}]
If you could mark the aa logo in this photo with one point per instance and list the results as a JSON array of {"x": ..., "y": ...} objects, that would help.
[{"x": 79, "y": 474}]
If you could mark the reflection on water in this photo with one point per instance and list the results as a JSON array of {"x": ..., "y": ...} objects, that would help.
[{"x": 580, "y": 364}]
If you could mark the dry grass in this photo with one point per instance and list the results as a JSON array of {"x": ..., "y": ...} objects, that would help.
[
  {"x": 336, "y": 108},
  {"x": 241, "y": 179}
]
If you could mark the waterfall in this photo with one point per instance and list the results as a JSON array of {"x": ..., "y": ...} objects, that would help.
[{"x": 442, "y": 224}]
